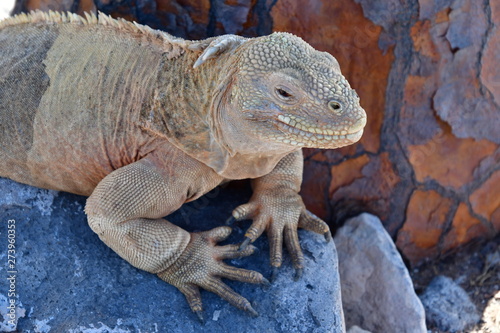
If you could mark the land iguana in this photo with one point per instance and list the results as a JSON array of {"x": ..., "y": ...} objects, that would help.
[{"x": 143, "y": 122}]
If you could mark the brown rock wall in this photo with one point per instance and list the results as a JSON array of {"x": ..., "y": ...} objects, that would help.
[
  {"x": 446, "y": 128},
  {"x": 465, "y": 227},
  {"x": 486, "y": 200},
  {"x": 462, "y": 158},
  {"x": 80, "y": 6},
  {"x": 370, "y": 186},
  {"x": 426, "y": 219}
]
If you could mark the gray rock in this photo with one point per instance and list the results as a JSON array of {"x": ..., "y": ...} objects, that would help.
[
  {"x": 448, "y": 306},
  {"x": 491, "y": 314},
  {"x": 377, "y": 292},
  {"x": 67, "y": 280},
  {"x": 357, "y": 329}
]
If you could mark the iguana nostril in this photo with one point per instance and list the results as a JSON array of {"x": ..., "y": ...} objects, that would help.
[{"x": 358, "y": 125}]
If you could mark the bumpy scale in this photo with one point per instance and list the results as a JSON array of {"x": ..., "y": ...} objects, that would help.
[{"x": 143, "y": 122}]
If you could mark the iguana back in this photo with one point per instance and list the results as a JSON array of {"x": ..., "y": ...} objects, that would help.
[{"x": 71, "y": 97}]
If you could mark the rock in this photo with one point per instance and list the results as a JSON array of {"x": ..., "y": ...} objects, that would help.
[
  {"x": 486, "y": 200},
  {"x": 461, "y": 99},
  {"x": 376, "y": 287},
  {"x": 464, "y": 228},
  {"x": 357, "y": 329},
  {"x": 426, "y": 158},
  {"x": 68, "y": 281},
  {"x": 448, "y": 306},
  {"x": 79, "y": 6},
  {"x": 426, "y": 219},
  {"x": 373, "y": 187},
  {"x": 491, "y": 314}
]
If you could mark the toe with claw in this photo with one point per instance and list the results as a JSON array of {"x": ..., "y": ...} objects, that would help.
[
  {"x": 201, "y": 266},
  {"x": 280, "y": 215}
]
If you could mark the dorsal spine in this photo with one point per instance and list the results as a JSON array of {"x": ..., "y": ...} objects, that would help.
[{"x": 52, "y": 17}]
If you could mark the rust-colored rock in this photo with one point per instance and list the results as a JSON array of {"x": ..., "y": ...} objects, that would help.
[
  {"x": 65, "y": 5},
  {"x": 425, "y": 222},
  {"x": 485, "y": 200},
  {"x": 370, "y": 183},
  {"x": 462, "y": 99},
  {"x": 462, "y": 158},
  {"x": 315, "y": 188},
  {"x": 422, "y": 40},
  {"x": 346, "y": 173},
  {"x": 464, "y": 228}
]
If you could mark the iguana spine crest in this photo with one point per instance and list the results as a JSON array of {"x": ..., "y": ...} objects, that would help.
[{"x": 90, "y": 19}]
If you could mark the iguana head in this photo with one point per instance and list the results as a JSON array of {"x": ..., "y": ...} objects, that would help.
[{"x": 284, "y": 92}]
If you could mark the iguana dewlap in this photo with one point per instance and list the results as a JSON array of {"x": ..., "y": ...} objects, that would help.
[{"x": 143, "y": 122}]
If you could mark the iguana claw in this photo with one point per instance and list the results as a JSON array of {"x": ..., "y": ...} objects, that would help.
[
  {"x": 230, "y": 220},
  {"x": 281, "y": 219},
  {"x": 245, "y": 243},
  {"x": 201, "y": 317},
  {"x": 298, "y": 274},
  {"x": 266, "y": 282},
  {"x": 252, "y": 312},
  {"x": 201, "y": 266},
  {"x": 274, "y": 274},
  {"x": 328, "y": 236}
]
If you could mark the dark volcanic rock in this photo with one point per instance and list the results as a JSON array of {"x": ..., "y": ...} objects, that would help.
[{"x": 69, "y": 281}]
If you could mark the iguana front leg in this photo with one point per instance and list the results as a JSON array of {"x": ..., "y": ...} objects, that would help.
[
  {"x": 126, "y": 210},
  {"x": 277, "y": 207}
]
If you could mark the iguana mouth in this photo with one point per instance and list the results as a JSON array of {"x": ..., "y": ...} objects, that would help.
[{"x": 302, "y": 130}]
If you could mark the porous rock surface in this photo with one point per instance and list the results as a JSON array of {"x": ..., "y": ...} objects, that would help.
[
  {"x": 448, "y": 306},
  {"x": 69, "y": 281}
]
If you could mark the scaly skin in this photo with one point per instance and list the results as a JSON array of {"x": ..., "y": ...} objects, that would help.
[{"x": 143, "y": 122}]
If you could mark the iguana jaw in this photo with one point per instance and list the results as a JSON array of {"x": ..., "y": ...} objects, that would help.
[
  {"x": 277, "y": 128},
  {"x": 302, "y": 125},
  {"x": 296, "y": 131}
]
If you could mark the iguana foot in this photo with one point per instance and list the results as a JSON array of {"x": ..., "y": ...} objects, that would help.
[
  {"x": 201, "y": 266},
  {"x": 281, "y": 215}
]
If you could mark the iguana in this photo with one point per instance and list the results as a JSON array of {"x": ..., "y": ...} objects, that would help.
[{"x": 143, "y": 122}]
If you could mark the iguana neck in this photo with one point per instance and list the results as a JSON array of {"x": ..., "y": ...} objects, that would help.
[{"x": 183, "y": 106}]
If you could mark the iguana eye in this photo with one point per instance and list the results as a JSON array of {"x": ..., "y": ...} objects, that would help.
[{"x": 283, "y": 94}]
